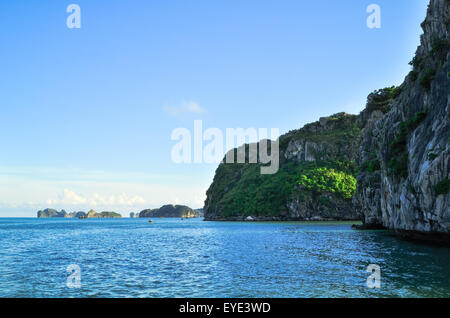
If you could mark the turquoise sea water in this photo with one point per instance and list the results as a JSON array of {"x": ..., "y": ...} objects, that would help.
[{"x": 193, "y": 258}]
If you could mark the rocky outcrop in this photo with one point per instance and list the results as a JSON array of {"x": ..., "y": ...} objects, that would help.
[
  {"x": 407, "y": 145},
  {"x": 400, "y": 145},
  {"x": 170, "y": 211},
  {"x": 52, "y": 213},
  {"x": 323, "y": 140},
  {"x": 102, "y": 215},
  {"x": 328, "y": 207},
  {"x": 239, "y": 191}
]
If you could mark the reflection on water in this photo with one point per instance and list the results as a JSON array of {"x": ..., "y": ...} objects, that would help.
[{"x": 193, "y": 258}]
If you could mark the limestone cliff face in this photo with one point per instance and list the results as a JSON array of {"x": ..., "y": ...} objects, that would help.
[
  {"x": 401, "y": 145},
  {"x": 407, "y": 142},
  {"x": 239, "y": 191},
  {"x": 330, "y": 139}
]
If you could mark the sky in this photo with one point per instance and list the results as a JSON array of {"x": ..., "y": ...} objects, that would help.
[{"x": 87, "y": 113}]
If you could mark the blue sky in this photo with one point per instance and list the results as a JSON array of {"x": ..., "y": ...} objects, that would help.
[{"x": 87, "y": 114}]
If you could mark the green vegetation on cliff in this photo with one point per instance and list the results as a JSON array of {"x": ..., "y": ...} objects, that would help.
[
  {"x": 329, "y": 180},
  {"x": 426, "y": 78},
  {"x": 381, "y": 99},
  {"x": 241, "y": 190},
  {"x": 337, "y": 136},
  {"x": 443, "y": 187},
  {"x": 372, "y": 163},
  {"x": 244, "y": 191}
]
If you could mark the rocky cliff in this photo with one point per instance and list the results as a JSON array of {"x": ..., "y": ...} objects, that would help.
[
  {"x": 405, "y": 140},
  {"x": 170, "y": 211},
  {"x": 399, "y": 145},
  {"x": 315, "y": 181}
]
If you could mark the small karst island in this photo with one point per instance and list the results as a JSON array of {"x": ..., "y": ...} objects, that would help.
[
  {"x": 166, "y": 211},
  {"x": 172, "y": 211},
  {"x": 52, "y": 213}
]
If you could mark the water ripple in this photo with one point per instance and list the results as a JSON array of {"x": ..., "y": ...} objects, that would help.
[{"x": 192, "y": 258}]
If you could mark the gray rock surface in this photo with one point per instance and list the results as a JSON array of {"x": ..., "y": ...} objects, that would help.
[{"x": 409, "y": 203}]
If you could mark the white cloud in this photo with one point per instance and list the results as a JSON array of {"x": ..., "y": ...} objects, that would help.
[
  {"x": 25, "y": 190},
  {"x": 23, "y": 195},
  {"x": 194, "y": 108},
  {"x": 184, "y": 108},
  {"x": 70, "y": 198},
  {"x": 124, "y": 199}
]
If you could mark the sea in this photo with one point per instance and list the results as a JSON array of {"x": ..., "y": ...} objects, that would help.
[{"x": 66, "y": 258}]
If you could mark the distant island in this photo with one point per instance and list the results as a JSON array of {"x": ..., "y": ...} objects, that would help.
[
  {"x": 52, "y": 213},
  {"x": 166, "y": 211},
  {"x": 172, "y": 211}
]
